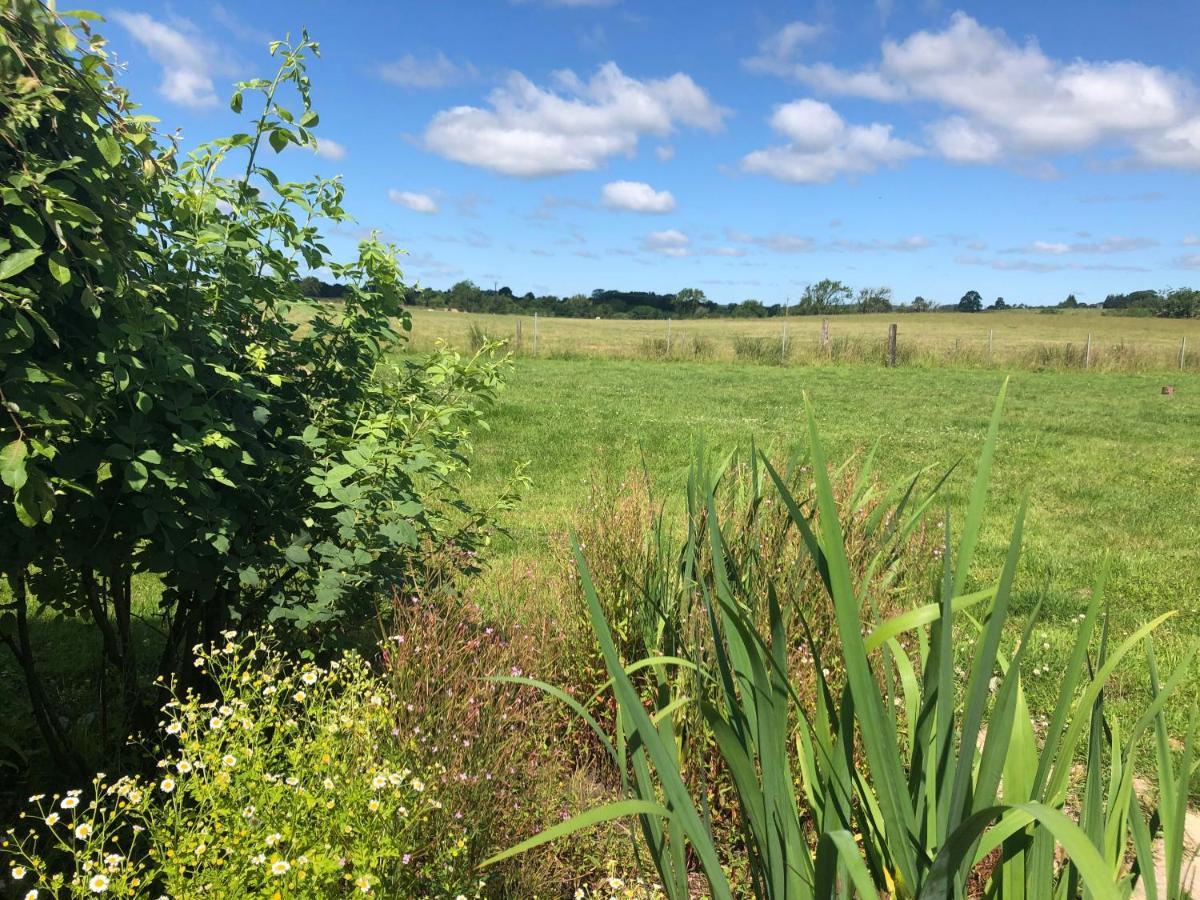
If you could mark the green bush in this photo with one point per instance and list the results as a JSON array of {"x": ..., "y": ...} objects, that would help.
[
  {"x": 293, "y": 781},
  {"x": 175, "y": 406},
  {"x": 918, "y": 770}
]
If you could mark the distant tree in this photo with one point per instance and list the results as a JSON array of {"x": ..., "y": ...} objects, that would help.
[
  {"x": 971, "y": 302},
  {"x": 688, "y": 300},
  {"x": 878, "y": 299},
  {"x": 920, "y": 304},
  {"x": 999, "y": 304},
  {"x": 310, "y": 286},
  {"x": 1070, "y": 302},
  {"x": 823, "y": 297},
  {"x": 750, "y": 309}
]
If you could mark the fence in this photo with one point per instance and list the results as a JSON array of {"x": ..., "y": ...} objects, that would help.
[{"x": 893, "y": 345}]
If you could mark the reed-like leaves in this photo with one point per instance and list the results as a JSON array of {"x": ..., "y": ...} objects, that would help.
[{"x": 899, "y": 779}]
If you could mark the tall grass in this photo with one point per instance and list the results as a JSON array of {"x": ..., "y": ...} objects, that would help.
[{"x": 904, "y": 775}]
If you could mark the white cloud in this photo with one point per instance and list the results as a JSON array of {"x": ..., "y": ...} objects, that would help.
[
  {"x": 670, "y": 242},
  {"x": 822, "y": 146},
  {"x": 780, "y": 243},
  {"x": 1191, "y": 240},
  {"x": 725, "y": 251},
  {"x": 959, "y": 141},
  {"x": 421, "y": 203},
  {"x": 636, "y": 196},
  {"x": 1031, "y": 265},
  {"x": 777, "y": 53},
  {"x": 1188, "y": 261},
  {"x": 437, "y": 71},
  {"x": 188, "y": 61},
  {"x": 665, "y": 152},
  {"x": 532, "y": 131},
  {"x": 330, "y": 149},
  {"x": 904, "y": 245},
  {"x": 1005, "y": 98},
  {"x": 1116, "y": 244}
]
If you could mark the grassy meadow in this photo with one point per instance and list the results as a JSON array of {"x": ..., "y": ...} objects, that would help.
[
  {"x": 1110, "y": 463},
  {"x": 1031, "y": 339}
]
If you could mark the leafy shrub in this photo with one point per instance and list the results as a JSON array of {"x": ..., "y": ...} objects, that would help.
[
  {"x": 292, "y": 781},
  {"x": 953, "y": 781},
  {"x": 175, "y": 405}
]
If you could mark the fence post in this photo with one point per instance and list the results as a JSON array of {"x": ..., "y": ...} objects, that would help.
[
  {"x": 783, "y": 336},
  {"x": 535, "y": 335},
  {"x": 668, "y": 335},
  {"x": 824, "y": 333},
  {"x": 518, "y": 335},
  {"x": 892, "y": 346},
  {"x": 1087, "y": 353},
  {"x": 989, "y": 345},
  {"x": 1182, "y": 351}
]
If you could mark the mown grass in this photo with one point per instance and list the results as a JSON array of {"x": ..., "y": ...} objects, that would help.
[
  {"x": 1027, "y": 339},
  {"x": 1111, "y": 465}
]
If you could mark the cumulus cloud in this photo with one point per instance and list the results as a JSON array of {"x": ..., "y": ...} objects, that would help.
[
  {"x": 1005, "y": 98},
  {"x": 188, "y": 61},
  {"x": 531, "y": 131},
  {"x": 421, "y": 203},
  {"x": 777, "y": 53},
  {"x": 670, "y": 242},
  {"x": 636, "y": 196},
  {"x": 821, "y": 145},
  {"x": 437, "y": 71},
  {"x": 330, "y": 149}
]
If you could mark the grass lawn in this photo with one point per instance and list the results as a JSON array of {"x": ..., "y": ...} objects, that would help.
[{"x": 1112, "y": 465}]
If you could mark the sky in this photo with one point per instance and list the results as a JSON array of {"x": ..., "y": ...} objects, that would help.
[{"x": 1023, "y": 150}]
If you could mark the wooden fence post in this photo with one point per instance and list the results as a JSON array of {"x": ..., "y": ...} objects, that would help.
[
  {"x": 892, "y": 346},
  {"x": 668, "y": 335},
  {"x": 989, "y": 345},
  {"x": 1087, "y": 353},
  {"x": 518, "y": 335},
  {"x": 824, "y": 333},
  {"x": 1182, "y": 351},
  {"x": 535, "y": 335},
  {"x": 783, "y": 336}
]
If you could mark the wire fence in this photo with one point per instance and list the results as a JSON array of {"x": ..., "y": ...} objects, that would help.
[{"x": 812, "y": 343}]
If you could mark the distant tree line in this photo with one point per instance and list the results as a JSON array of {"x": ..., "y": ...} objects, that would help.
[
  {"x": 1176, "y": 303},
  {"x": 823, "y": 298}
]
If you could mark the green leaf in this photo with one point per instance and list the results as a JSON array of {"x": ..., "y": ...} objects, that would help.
[
  {"x": 279, "y": 139},
  {"x": 136, "y": 475},
  {"x": 235, "y": 102},
  {"x": 16, "y": 263},
  {"x": 109, "y": 148},
  {"x": 617, "y": 810},
  {"x": 12, "y": 464},
  {"x": 297, "y": 555},
  {"x": 58, "y": 267}
]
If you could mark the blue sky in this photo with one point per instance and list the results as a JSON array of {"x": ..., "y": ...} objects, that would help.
[{"x": 1024, "y": 150}]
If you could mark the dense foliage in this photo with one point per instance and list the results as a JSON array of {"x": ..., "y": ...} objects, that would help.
[
  {"x": 1177, "y": 303},
  {"x": 173, "y": 403}
]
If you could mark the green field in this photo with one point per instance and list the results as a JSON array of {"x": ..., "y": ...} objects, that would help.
[
  {"x": 1112, "y": 465},
  {"x": 1017, "y": 338}
]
